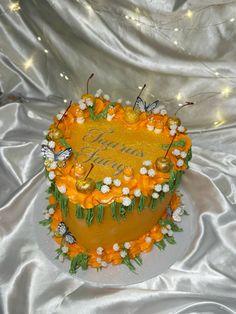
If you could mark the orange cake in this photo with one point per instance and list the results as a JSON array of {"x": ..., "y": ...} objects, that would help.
[{"x": 113, "y": 171}]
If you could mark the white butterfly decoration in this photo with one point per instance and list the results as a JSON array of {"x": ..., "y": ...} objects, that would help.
[
  {"x": 144, "y": 107},
  {"x": 55, "y": 159},
  {"x": 64, "y": 232}
]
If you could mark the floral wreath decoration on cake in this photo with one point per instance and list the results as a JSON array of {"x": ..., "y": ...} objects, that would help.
[{"x": 71, "y": 181}]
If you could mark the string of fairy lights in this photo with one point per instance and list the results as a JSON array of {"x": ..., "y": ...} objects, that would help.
[{"x": 170, "y": 32}]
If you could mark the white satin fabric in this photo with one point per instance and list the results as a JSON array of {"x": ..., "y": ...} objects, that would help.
[{"x": 126, "y": 44}]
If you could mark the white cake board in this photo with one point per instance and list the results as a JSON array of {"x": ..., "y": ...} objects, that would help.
[{"x": 154, "y": 262}]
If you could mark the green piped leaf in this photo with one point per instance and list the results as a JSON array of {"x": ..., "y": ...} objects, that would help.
[
  {"x": 64, "y": 143},
  {"x": 161, "y": 195},
  {"x": 100, "y": 212},
  {"x": 79, "y": 212},
  {"x": 114, "y": 215},
  {"x": 126, "y": 261},
  {"x": 141, "y": 203},
  {"x": 122, "y": 212},
  {"x": 170, "y": 240},
  {"x": 80, "y": 260},
  {"x": 99, "y": 185},
  {"x": 153, "y": 203},
  {"x": 138, "y": 260},
  {"x": 45, "y": 222},
  {"x": 131, "y": 206},
  {"x": 89, "y": 216},
  {"x": 180, "y": 143},
  {"x": 174, "y": 226},
  {"x": 160, "y": 244},
  {"x": 172, "y": 180}
]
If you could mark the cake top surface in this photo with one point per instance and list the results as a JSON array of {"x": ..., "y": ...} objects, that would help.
[{"x": 123, "y": 147}]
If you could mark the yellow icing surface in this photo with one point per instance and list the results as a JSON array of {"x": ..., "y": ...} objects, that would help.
[{"x": 112, "y": 147}]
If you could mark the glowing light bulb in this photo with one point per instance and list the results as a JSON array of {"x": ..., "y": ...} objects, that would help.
[
  {"x": 226, "y": 91},
  {"x": 27, "y": 64},
  {"x": 176, "y": 42},
  {"x": 66, "y": 77},
  {"x": 45, "y": 50},
  {"x": 232, "y": 20},
  {"x": 39, "y": 38},
  {"x": 217, "y": 73},
  {"x": 179, "y": 96},
  {"x": 176, "y": 29},
  {"x": 65, "y": 100},
  {"x": 140, "y": 87},
  {"x": 127, "y": 17},
  {"x": 14, "y": 7},
  {"x": 61, "y": 74},
  {"x": 189, "y": 14}
]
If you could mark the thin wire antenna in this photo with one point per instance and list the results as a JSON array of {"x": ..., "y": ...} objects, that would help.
[
  {"x": 91, "y": 168},
  {"x": 144, "y": 86},
  {"x": 187, "y": 103},
  {"x": 170, "y": 146},
  {"x": 64, "y": 114},
  {"x": 87, "y": 85}
]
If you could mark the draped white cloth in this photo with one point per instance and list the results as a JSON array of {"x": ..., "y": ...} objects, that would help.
[{"x": 183, "y": 51}]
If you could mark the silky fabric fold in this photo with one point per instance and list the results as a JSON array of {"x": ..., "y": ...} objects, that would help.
[{"x": 183, "y": 51}]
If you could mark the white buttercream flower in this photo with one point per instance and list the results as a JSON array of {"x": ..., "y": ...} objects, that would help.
[
  {"x": 117, "y": 182},
  {"x": 119, "y": 101},
  {"x": 47, "y": 216},
  {"x": 99, "y": 250},
  {"x": 180, "y": 162},
  {"x": 176, "y": 217},
  {"x": 147, "y": 163},
  {"x": 65, "y": 249},
  {"x": 116, "y": 247},
  {"x": 126, "y": 201},
  {"x": 106, "y": 97},
  {"x": 62, "y": 188},
  {"x": 179, "y": 211},
  {"x": 51, "y": 211},
  {"x": 45, "y": 132},
  {"x": 128, "y": 102},
  {"x": 183, "y": 154},
  {"x": 123, "y": 254},
  {"x": 98, "y": 260},
  {"x": 181, "y": 128},
  {"x": 156, "y": 110},
  {"x": 98, "y": 92},
  {"x": 155, "y": 195},
  {"x": 45, "y": 142},
  {"x": 105, "y": 188},
  {"x": 127, "y": 245},
  {"x": 158, "y": 187},
  {"x": 173, "y": 126},
  {"x": 164, "y": 230},
  {"x": 170, "y": 233},
  {"x": 51, "y": 144},
  {"x": 51, "y": 175},
  {"x": 148, "y": 239},
  {"x": 176, "y": 152},
  {"x": 137, "y": 193},
  {"x": 125, "y": 191},
  {"x": 82, "y": 106},
  {"x": 89, "y": 102},
  {"x": 143, "y": 170},
  {"x": 80, "y": 120},
  {"x": 157, "y": 131},
  {"x": 165, "y": 188},
  {"x": 163, "y": 112},
  {"x": 59, "y": 116},
  {"x": 53, "y": 165},
  {"x": 172, "y": 132},
  {"x": 151, "y": 173},
  {"x": 104, "y": 264},
  {"x": 107, "y": 180},
  {"x": 168, "y": 227}
]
